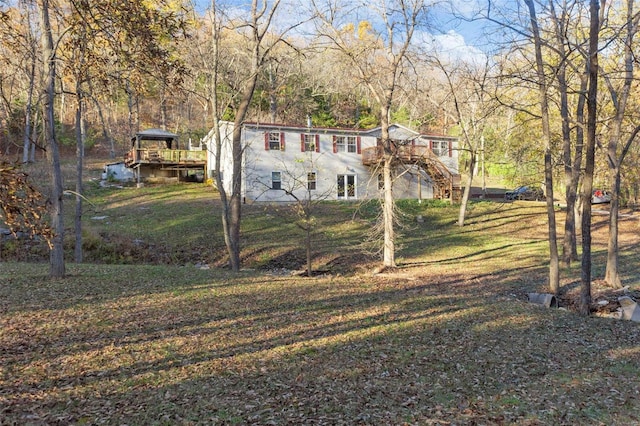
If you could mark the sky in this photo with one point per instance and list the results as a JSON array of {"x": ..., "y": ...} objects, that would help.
[{"x": 457, "y": 37}]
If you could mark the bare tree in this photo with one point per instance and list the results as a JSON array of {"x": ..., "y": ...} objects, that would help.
[
  {"x": 299, "y": 181},
  {"x": 19, "y": 76},
  {"x": 620, "y": 94},
  {"x": 561, "y": 45},
  {"x": 587, "y": 184},
  {"x": 56, "y": 258},
  {"x": 213, "y": 73},
  {"x": 470, "y": 90},
  {"x": 378, "y": 59},
  {"x": 257, "y": 42},
  {"x": 28, "y": 152},
  {"x": 560, "y": 56},
  {"x": 78, "y": 65},
  {"x": 541, "y": 82}
]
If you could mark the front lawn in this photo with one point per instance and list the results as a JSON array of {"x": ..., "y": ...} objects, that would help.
[{"x": 446, "y": 338}]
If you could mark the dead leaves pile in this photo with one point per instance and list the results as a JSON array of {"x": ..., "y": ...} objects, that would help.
[{"x": 165, "y": 345}]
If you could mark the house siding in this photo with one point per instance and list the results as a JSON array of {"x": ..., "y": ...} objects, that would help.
[{"x": 293, "y": 165}]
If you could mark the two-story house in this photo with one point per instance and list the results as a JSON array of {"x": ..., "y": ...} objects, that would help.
[{"x": 280, "y": 161}]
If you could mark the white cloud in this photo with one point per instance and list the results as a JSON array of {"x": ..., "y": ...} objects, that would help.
[{"x": 451, "y": 47}]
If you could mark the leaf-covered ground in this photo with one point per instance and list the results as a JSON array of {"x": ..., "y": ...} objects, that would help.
[
  {"x": 169, "y": 345},
  {"x": 447, "y": 338}
]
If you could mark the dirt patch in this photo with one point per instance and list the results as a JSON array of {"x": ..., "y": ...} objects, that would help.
[
  {"x": 604, "y": 298},
  {"x": 294, "y": 262}
]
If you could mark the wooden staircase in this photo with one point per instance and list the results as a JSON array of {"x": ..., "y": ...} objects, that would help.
[{"x": 446, "y": 184}]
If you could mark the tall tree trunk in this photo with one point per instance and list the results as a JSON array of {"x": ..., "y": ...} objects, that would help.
[
  {"x": 77, "y": 253},
  {"x": 29, "y": 111},
  {"x": 130, "y": 108},
  {"x": 34, "y": 136},
  {"x": 219, "y": 143},
  {"x": 554, "y": 269},
  {"x": 56, "y": 258},
  {"x": 234, "y": 217},
  {"x": 554, "y": 261},
  {"x": 587, "y": 183},
  {"x": 106, "y": 133},
  {"x": 388, "y": 202},
  {"x": 273, "y": 97},
  {"x": 612, "y": 276},
  {"x": 163, "y": 105},
  {"x": 576, "y": 169},
  {"x": 234, "y": 209},
  {"x": 308, "y": 228},
  {"x": 569, "y": 248},
  {"x": 80, "y": 65},
  {"x": 467, "y": 189}
]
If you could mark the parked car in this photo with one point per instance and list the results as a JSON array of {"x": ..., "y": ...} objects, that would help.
[
  {"x": 600, "y": 197},
  {"x": 524, "y": 193}
]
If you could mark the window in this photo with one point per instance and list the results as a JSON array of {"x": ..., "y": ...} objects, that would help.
[
  {"x": 274, "y": 141},
  {"x": 346, "y": 144},
  {"x": 440, "y": 148},
  {"x": 311, "y": 181},
  {"x": 276, "y": 180},
  {"x": 380, "y": 181},
  {"x": 309, "y": 143},
  {"x": 347, "y": 186}
]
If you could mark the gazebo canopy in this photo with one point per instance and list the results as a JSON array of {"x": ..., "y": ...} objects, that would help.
[{"x": 154, "y": 135}]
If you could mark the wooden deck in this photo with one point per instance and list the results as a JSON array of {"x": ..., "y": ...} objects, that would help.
[
  {"x": 446, "y": 183},
  {"x": 180, "y": 158}
]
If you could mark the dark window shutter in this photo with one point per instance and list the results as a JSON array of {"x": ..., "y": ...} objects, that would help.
[
  {"x": 431, "y": 145},
  {"x": 301, "y": 142},
  {"x": 281, "y": 141},
  {"x": 317, "y": 143},
  {"x": 266, "y": 141},
  {"x": 335, "y": 144},
  {"x": 450, "y": 148},
  {"x": 358, "y": 150}
]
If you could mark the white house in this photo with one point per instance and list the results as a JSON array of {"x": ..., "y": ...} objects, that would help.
[{"x": 280, "y": 161}]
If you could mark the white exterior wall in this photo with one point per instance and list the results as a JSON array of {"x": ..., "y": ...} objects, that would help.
[
  {"x": 117, "y": 171},
  {"x": 293, "y": 165},
  {"x": 226, "y": 133}
]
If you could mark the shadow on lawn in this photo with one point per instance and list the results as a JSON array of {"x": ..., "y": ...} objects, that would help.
[
  {"x": 186, "y": 346},
  {"x": 373, "y": 350},
  {"x": 257, "y": 325},
  {"x": 438, "y": 352}
]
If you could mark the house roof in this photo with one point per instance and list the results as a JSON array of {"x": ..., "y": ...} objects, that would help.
[
  {"x": 397, "y": 131},
  {"x": 401, "y": 133},
  {"x": 155, "y": 134},
  {"x": 313, "y": 129}
]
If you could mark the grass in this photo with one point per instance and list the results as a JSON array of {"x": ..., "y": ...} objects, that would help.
[
  {"x": 170, "y": 345},
  {"x": 446, "y": 338}
]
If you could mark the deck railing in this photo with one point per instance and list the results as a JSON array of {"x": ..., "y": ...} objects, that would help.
[
  {"x": 406, "y": 153},
  {"x": 446, "y": 181},
  {"x": 161, "y": 156}
]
